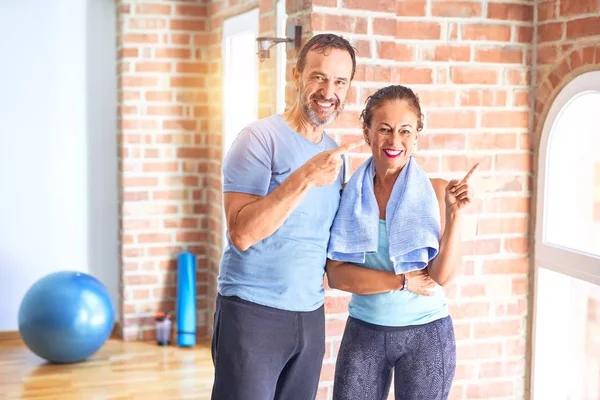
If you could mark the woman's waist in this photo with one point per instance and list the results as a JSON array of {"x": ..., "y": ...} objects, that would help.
[{"x": 400, "y": 301}]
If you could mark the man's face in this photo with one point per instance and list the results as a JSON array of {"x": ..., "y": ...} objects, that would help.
[{"x": 324, "y": 84}]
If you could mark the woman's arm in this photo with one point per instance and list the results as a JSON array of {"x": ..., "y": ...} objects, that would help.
[
  {"x": 443, "y": 267},
  {"x": 359, "y": 280},
  {"x": 452, "y": 197}
]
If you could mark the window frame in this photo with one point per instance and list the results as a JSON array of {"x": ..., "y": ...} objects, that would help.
[
  {"x": 549, "y": 256},
  {"x": 581, "y": 265}
]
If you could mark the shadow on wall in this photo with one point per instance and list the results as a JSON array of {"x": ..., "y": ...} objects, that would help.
[{"x": 102, "y": 149}]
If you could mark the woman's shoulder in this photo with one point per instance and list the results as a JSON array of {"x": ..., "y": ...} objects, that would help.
[{"x": 439, "y": 184}]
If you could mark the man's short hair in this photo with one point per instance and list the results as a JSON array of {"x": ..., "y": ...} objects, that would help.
[{"x": 323, "y": 42}]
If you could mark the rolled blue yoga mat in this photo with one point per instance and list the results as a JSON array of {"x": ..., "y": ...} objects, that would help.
[{"x": 186, "y": 299}]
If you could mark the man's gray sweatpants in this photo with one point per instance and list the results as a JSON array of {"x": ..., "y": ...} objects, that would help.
[{"x": 263, "y": 353}]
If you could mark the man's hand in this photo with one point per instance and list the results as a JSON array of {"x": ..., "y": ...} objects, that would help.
[{"x": 324, "y": 168}]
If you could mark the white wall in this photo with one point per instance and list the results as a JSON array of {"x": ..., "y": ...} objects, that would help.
[{"x": 58, "y": 145}]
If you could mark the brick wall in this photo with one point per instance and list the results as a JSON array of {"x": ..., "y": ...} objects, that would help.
[
  {"x": 568, "y": 44},
  {"x": 473, "y": 64},
  {"x": 163, "y": 116},
  {"x": 470, "y": 64}
]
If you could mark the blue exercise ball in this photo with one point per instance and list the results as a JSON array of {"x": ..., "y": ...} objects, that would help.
[{"x": 66, "y": 316}]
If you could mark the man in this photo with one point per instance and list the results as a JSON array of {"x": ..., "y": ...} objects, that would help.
[{"x": 281, "y": 180}]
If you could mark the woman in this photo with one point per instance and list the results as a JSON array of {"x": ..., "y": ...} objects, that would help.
[{"x": 394, "y": 243}]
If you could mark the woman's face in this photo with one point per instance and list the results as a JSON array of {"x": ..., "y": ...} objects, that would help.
[{"x": 392, "y": 135}]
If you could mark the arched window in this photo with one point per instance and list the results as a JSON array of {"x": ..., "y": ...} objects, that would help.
[{"x": 566, "y": 324}]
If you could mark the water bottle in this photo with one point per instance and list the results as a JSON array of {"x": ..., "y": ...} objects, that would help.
[{"x": 163, "y": 328}]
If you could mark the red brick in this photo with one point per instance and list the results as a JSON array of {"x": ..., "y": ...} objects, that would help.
[
  {"x": 191, "y": 236},
  {"x": 499, "y": 55},
  {"x": 170, "y": 195},
  {"x": 191, "y": 10},
  {"x": 177, "y": 38},
  {"x": 499, "y": 369},
  {"x": 460, "y": 9},
  {"x": 141, "y": 280},
  {"x": 436, "y": 98},
  {"x": 159, "y": 9},
  {"x": 377, "y": 73},
  {"x": 547, "y": 54},
  {"x": 138, "y": 124},
  {"x": 418, "y": 30},
  {"x": 172, "y": 53},
  {"x": 139, "y": 38},
  {"x": 497, "y": 328},
  {"x": 451, "y": 119},
  {"x": 499, "y": 33},
  {"x": 395, "y": 51},
  {"x": 518, "y": 77},
  {"x": 575, "y": 59},
  {"x": 516, "y": 245},
  {"x": 504, "y": 225},
  {"x": 160, "y": 167},
  {"x": 490, "y": 389},
  {"x": 147, "y": 23},
  {"x": 486, "y": 98},
  {"x": 478, "y": 350},
  {"x": 508, "y": 204},
  {"x": 546, "y": 11},
  {"x": 165, "y": 110},
  {"x": 187, "y": 24},
  {"x": 471, "y": 75},
  {"x": 447, "y": 53},
  {"x": 139, "y": 81},
  {"x": 502, "y": 119},
  {"x": 464, "y": 310},
  {"x": 442, "y": 142},
  {"x": 153, "y": 67},
  {"x": 573, "y": 7},
  {"x": 128, "y": 53},
  {"x": 510, "y": 11},
  {"x": 187, "y": 81},
  {"x": 382, "y": 5},
  {"x": 514, "y": 162},
  {"x": 139, "y": 224},
  {"x": 463, "y": 163},
  {"x": 481, "y": 247},
  {"x": 185, "y": 223},
  {"x": 472, "y": 290},
  {"x": 430, "y": 164},
  {"x": 410, "y": 8},
  {"x": 384, "y": 26},
  {"x": 412, "y": 75},
  {"x": 550, "y": 32},
  {"x": 336, "y": 304},
  {"x": 335, "y": 327},
  {"x": 323, "y": 392},
  {"x": 491, "y": 141},
  {"x": 583, "y": 27},
  {"x": 524, "y": 34}
]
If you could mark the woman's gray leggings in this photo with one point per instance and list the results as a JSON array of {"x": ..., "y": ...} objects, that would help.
[{"x": 423, "y": 358}]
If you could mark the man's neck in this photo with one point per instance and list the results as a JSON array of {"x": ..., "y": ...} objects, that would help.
[{"x": 297, "y": 121}]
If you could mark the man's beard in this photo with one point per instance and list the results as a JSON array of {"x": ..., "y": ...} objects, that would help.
[{"x": 313, "y": 115}]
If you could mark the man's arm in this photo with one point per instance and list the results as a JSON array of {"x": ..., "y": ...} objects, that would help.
[{"x": 252, "y": 218}]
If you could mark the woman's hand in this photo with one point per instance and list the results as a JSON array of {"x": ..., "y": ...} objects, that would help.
[
  {"x": 458, "y": 193},
  {"x": 418, "y": 282}
]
